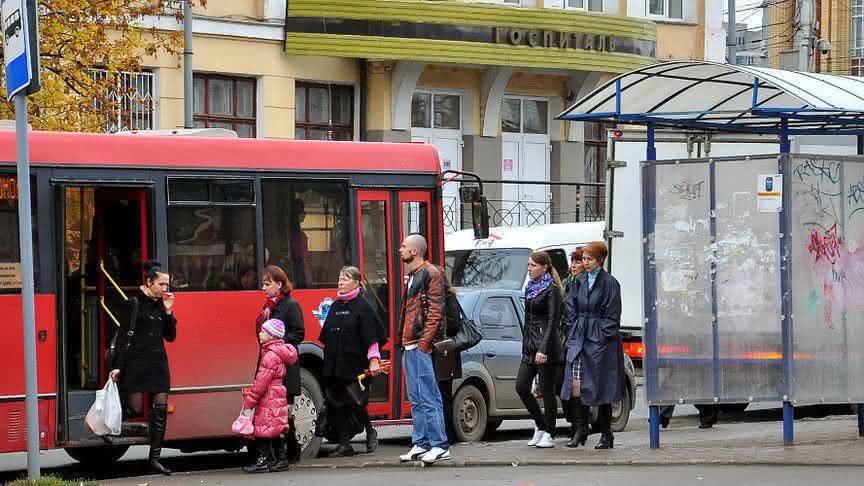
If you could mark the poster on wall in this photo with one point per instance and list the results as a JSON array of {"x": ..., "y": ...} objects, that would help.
[
  {"x": 508, "y": 165},
  {"x": 769, "y": 193}
]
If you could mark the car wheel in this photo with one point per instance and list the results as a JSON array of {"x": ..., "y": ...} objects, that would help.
[
  {"x": 621, "y": 412},
  {"x": 98, "y": 456},
  {"x": 305, "y": 412},
  {"x": 469, "y": 414}
]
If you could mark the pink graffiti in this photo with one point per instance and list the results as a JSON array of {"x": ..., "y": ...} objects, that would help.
[
  {"x": 825, "y": 246},
  {"x": 828, "y": 291}
]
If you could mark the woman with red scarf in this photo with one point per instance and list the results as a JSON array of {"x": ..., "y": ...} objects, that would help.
[{"x": 280, "y": 305}]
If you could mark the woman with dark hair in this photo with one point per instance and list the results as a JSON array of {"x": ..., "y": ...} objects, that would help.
[
  {"x": 541, "y": 347},
  {"x": 576, "y": 267},
  {"x": 594, "y": 368},
  {"x": 280, "y": 305},
  {"x": 140, "y": 363},
  {"x": 445, "y": 384},
  {"x": 352, "y": 336}
]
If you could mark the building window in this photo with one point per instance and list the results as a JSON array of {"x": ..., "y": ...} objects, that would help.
[
  {"x": 131, "y": 98},
  {"x": 10, "y": 249},
  {"x": 591, "y": 5},
  {"x": 524, "y": 116},
  {"x": 430, "y": 110},
  {"x": 225, "y": 102},
  {"x": 306, "y": 230},
  {"x": 323, "y": 112},
  {"x": 857, "y": 41},
  {"x": 515, "y": 3},
  {"x": 211, "y": 234},
  {"x": 672, "y": 9}
]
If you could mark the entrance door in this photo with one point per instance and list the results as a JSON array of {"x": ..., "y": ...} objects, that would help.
[
  {"x": 525, "y": 157},
  {"x": 436, "y": 120},
  {"x": 376, "y": 264},
  {"x": 105, "y": 238}
]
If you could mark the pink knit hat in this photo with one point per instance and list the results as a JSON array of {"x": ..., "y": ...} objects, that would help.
[{"x": 274, "y": 327}]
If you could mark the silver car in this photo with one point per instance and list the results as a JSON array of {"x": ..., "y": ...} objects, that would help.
[{"x": 486, "y": 394}]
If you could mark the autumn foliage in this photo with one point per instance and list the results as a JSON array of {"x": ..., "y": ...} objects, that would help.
[{"x": 78, "y": 36}]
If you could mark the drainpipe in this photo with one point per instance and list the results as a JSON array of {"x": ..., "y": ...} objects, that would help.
[
  {"x": 188, "y": 91},
  {"x": 364, "y": 96}
]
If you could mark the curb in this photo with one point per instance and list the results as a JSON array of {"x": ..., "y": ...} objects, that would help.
[{"x": 588, "y": 463}]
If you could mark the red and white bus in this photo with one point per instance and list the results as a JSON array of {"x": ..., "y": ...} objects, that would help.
[{"x": 215, "y": 211}]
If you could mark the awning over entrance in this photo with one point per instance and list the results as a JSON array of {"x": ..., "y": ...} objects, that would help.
[{"x": 723, "y": 97}]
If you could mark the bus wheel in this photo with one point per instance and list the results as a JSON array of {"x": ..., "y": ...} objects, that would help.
[
  {"x": 470, "y": 417},
  {"x": 305, "y": 410},
  {"x": 97, "y": 456}
]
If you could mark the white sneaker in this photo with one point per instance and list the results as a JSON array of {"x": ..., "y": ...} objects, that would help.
[
  {"x": 538, "y": 434},
  {"x": 546, "y": 441},
  {"x": 413, "y": 454},
  {"x": 435, "y": 455}
]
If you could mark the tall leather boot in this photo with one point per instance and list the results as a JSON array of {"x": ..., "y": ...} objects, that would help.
[
  {"x": 604, "y": 424},
  {"x": 293, "y": 449},
  {"x": 579, "y": 415},
  {"x": 281, "y": 461},
  {"x": 158, "y": 417},
  {"x": 262, "y": 463}
]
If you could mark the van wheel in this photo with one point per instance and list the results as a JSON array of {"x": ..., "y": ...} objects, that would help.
[
  {"x": 97, "y": 456},
  {"x": 621, "y": 412},
  {"x": 469, "y": 414},
  {"x": 305, "y": 412}
]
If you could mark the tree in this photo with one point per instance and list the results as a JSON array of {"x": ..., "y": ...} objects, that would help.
[{"x": 83, "y": 44}]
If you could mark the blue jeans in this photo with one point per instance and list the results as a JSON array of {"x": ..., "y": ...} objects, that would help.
[{"x": 426, "y": 407}]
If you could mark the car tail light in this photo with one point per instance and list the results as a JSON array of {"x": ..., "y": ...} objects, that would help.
[{"x": 634, "y": 349}]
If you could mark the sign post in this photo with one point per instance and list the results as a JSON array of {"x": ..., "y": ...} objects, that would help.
[{"x": 21, "y": 54}]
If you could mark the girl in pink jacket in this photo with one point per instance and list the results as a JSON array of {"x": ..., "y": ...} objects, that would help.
[{"x": 268, "y": 396}]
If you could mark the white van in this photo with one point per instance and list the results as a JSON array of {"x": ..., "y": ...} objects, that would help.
[{"x": 501, "y": 261}]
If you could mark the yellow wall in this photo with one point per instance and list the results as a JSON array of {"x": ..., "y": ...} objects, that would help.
[
  {"x": 379, "y": 76},
  {"x": 236, "y": 9},
  {"x": 459, "y": 79}
]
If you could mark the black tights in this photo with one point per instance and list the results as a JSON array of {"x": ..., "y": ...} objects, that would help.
[
  {"x": 524, "y": 379},
  {"x": 135, "y": 401}
]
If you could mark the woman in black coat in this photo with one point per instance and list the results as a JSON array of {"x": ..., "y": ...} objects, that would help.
[
  {"x": 352, "y": 336},
  {"x": 280, "y": 305},
  {"x": 453, "y": 322},
  {"x": 594, "y": 368},
  {"x": 140, "y": 363},
  {"x": 541, "y": 347}
]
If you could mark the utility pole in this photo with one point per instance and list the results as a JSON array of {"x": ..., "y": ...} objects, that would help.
[
  {"x": 731, "y": 35},
  {"x": 188, "y": 89},
  {"x": 805, "y": 36},
  {"x": 766, "y": 34}
]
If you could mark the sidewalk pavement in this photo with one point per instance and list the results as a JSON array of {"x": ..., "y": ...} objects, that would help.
[{"x": 830, "y": 441}]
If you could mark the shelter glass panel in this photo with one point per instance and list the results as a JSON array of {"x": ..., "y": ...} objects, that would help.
[
  {"x": 747, "y": 258},
  {"x": 684, "y": 327}
]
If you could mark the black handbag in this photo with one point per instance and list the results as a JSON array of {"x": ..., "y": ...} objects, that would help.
[
  {"x": 111, "y": 352},
  {"x": 469, "y": 333},
  {"x": 444, "y": 359}
]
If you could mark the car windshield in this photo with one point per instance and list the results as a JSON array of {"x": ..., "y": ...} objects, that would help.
[{"x": 497, "y": 268}]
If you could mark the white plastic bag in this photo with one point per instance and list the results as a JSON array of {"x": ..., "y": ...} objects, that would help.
[{"x": 106, "y": 415}]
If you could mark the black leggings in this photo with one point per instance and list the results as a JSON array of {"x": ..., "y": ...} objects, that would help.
[
  {"x": 135, "y": 401},
  {"x": 446, "y": 389},
  {"x": 524, "y": 378}
]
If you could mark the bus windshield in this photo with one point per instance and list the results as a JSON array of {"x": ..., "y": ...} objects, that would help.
[{"x": 496, "y": 268}]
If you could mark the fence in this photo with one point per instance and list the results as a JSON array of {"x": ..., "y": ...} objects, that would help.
[
  {"x": 536, "y": 203},
  {"x": 754, "y": 279}
]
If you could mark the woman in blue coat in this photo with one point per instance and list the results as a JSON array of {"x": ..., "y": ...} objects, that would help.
[{"x": 594, "y": 368}]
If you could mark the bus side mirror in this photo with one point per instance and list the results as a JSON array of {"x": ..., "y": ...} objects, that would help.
[{"x": 479, "y": 212}]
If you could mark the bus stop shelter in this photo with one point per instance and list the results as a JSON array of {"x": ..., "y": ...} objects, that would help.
[{"x": 753, "y": 266}]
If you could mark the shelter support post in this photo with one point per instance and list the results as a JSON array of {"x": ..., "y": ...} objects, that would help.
[
  {"x": 648, "y": 212},
  {"x": 786, "y": 283},
  {"x": 860, "y": 407}
]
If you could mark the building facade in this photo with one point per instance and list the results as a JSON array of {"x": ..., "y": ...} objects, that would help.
[
  {"x": 481, "y": 80},
  {"x": 839, "y": 22}
]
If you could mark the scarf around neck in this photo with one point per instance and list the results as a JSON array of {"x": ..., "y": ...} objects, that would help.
[
  {"x": 534, "y": 287},
  {"x": 349, "y": 296},
  {"x": 265, "y": 312}
]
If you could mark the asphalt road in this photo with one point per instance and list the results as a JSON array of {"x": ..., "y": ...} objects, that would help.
[{"x": 533, "y": 476}]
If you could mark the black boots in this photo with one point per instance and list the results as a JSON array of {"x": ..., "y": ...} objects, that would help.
[
  {"x": 158, "y": 416},
  {"x": 281, "y": 460},
  {"x": 604, "y": 425},
  {"x": 579, "y": 415},
  {"x": 264, "y": 457},
  {"x": 371, "y": 439}
]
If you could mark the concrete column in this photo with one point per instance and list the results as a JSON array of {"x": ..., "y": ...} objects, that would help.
[
  {"x": 493, "y": 83},
  {"x": 404, "y": 81},
  {"x": 482, "y": 155},
  {"x": 567, "y": 164}
]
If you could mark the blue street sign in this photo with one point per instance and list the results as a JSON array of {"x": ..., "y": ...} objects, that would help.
[{"x": 16, "y": 46}]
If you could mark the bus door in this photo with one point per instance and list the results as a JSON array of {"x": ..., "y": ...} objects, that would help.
[
  {"x": 415, "y": 217},
  {"x": 374, "y": 224},
  {"x": 104, "y": 236}
]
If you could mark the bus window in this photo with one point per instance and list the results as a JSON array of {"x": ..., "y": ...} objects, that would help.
[
  {"x": 414, "y": 218},
  {"x": 306, "y": 230},
  {"x": 10, "y": 251},
  {"x": 211, "y": 233}
]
